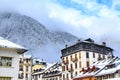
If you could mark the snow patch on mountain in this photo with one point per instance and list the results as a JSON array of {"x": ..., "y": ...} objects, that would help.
[{"x": 28, "y": 32}]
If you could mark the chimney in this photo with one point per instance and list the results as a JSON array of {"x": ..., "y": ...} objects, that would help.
[
  {"x": 83, "y": 70},
  {"x": 66, "y": 45},
  {"x": 94, "y": 69},
  {"x": 78, "y": 40},
  {"x": 104, "y": 43},
  {"x": 89, "y": 69}
]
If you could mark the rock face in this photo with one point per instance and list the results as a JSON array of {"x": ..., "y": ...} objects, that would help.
[{"x": 31, "y": 34}]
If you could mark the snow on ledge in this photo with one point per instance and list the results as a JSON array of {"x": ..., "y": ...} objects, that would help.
[
  {"x": 113, "y": 79},
  {"x": 7, "y": 44}
]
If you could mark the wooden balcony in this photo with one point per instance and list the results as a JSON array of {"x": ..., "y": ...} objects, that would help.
[
  {"x": 74, "y": 59},
  {"x": 65, "y": 62},
  {"x": 70, "y": 69}
]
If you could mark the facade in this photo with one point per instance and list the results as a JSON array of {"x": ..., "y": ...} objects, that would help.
[
  {"x": 50, "y": 72},
  {"x": 25, "y": 65},
  {"x": 9, "y": 59},
  {"x": 82, "y": 54}
]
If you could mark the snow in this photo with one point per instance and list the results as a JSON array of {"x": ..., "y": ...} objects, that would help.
[
  {"x": 108, "y": 71},
  {"x": 101, "y": 65},
  {"x": 7, "y": 44},
  {"x": 113, "y": 79},
  {"x": 111, "y": 70}
]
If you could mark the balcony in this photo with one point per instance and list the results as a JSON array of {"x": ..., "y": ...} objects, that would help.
[
  {"x": 20, "y": 69},
  {"x": 21, "y": 62},
  {"x": 74, "y": 59},
  {"x": 65, "y": 62},
  {"x": 70, "y": 69}
]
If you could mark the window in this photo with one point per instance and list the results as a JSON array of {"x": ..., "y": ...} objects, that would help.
[
  {"x": 71, "y": 75},
  {"x": 76, "y": 65},
  {"x": 87, "y": 63},
  {"x": 63, "y": 68},
  {"x": 5, "y": 78},
  {"x": 20, "y": 75},
  {"x": 87, "y": 55},
  {"x": 26, "y": 75},
  {"x": 63, "y": 77},
  {"x": 27, "y": 68},
  {"x": 76, "y": 73},
  {"x": 75, "y": 56},
  {"x": 71, "y": 58},
  {"x": 93, "y": 55},
  {"x": 63, "y": 59},
  {"x": 80, "y": 64},
  {"x": 5, "y": 61},
  {"x": 103, "y": 56},
  {"x": 71, "y": 66},
  {"x": 66, "y": 59},
  {"x": 80, "y": 55},
  {"x": 67, "y": 77},
  {"x": 66, "y": 67}
]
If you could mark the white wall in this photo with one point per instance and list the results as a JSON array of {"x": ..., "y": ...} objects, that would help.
[{"x": 10, "y": 71}]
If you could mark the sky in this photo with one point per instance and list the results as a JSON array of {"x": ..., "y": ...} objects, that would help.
[{"x": 97, "y": 19}]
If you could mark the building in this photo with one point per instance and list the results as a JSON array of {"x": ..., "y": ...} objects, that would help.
[
  {"x": 88, "y": 73},
  {"x": 107, "y": 69},
  {"x": 25, "y": 68},
  {"x": 50, "y": 72},
  {"x": 9, "y": 59},
  {"x": 54, "y": 72},
  {"x": 111, "y": 71},
  {"x": 38, "y": 64},
  {"x": 82, "y": 54}
]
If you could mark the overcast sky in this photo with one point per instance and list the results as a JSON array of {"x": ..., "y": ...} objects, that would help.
[{"x": 98, "y": 19}]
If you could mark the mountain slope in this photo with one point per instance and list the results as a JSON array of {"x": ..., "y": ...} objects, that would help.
[{"x": 29, "y": 33}]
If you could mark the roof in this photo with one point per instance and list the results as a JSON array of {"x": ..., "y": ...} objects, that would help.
[
  {"x": 86, "y": 45},
  {"x": 7, "y": 44},
  {"x": 107, "y": 70},
  {"x": 100, "y": 65},
  {"x": 113, "y": 79},
  {"x": 50, "y": 68}
]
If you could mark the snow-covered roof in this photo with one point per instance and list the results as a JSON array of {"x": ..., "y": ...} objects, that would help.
[
  {"x": 7, "y": 44},
  {"x": 110, "y": 70},
  {"x": 113, "y": 79},
  {"x": 100, "y": 65},
  {"x": 50, "y": 67}
]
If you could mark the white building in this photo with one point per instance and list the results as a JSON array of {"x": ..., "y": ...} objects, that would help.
[
  {"x": 82, "y": 54},
  {"x": 9, "y": 59}
]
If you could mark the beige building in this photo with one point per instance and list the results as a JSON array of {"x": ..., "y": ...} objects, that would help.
[
  {"x": 38, "y": 64},
  {"x": 9, "y": 59},
  {"x": 25, "y": 71},
  {"x": 50, "y": 72},
  {"x": 82, "y": 54}
]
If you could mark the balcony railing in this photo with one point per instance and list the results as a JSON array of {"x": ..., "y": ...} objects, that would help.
[
  {"x": 66, "y": 62},
  {"x": 74, "y": 59},
  {"x": 70, "y": 69}
]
